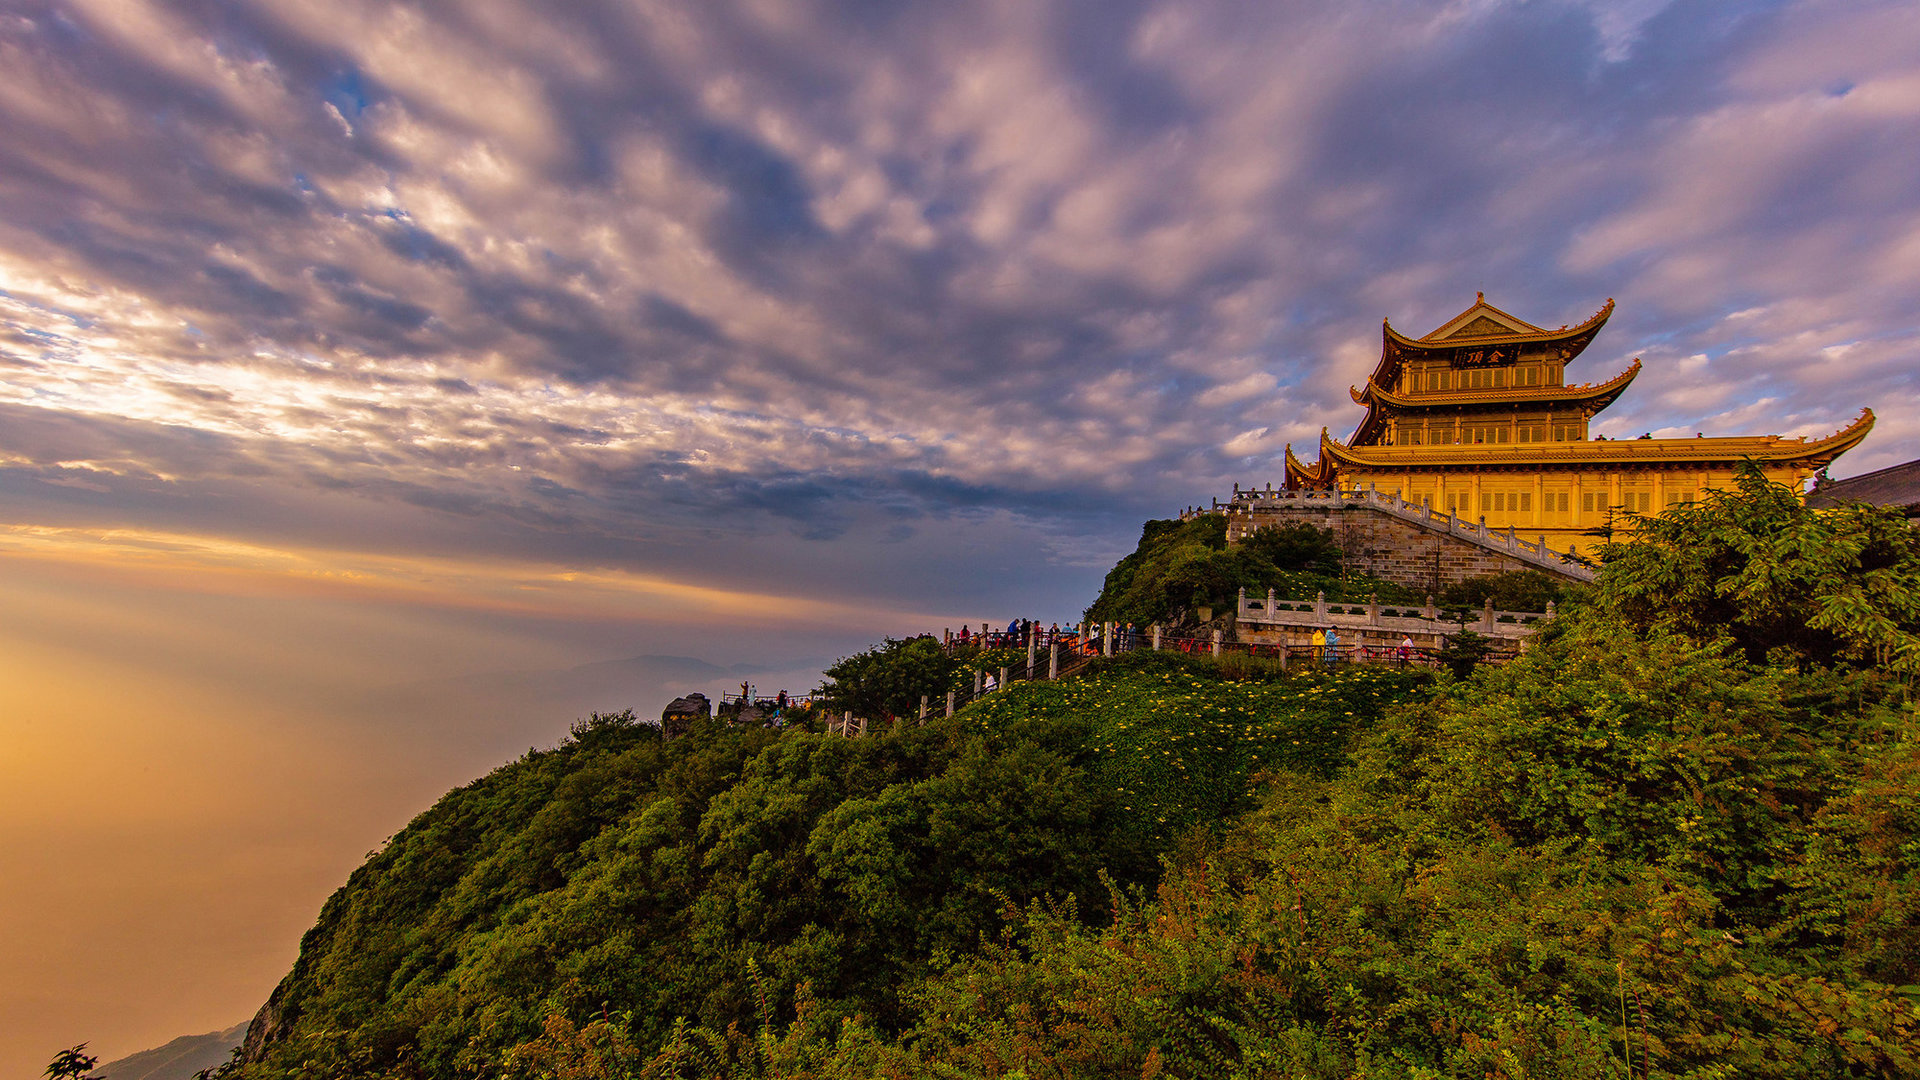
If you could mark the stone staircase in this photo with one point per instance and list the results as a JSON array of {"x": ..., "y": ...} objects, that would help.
[{"x": 1252, "y": 508}]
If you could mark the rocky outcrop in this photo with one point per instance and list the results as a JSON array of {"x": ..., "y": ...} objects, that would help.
[
  {"x": 679, "y": 715},
  {"x": 269, "y": 1025}
]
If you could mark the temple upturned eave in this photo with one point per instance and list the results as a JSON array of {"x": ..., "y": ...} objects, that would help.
[
  {"x": 1301, "y": 475},
  {"x": 1596, "y": 396},
  {"x": 1618, "y": 452}
]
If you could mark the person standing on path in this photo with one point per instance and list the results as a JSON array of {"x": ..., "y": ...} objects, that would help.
[
  {"x": 1333, "y": 648},
  {"x": 1319, "y": 644}
]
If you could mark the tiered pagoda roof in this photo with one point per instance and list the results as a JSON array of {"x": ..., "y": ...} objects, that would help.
[
  {"x": 1695, "y": 451},
  {"x": 1589, "y": 398},
  {"x": 1485, "y": 336},
  {"x": 1480, "y": 334}
]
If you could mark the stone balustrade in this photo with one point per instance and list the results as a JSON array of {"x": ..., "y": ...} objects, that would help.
[{"x": 1280, "y": 621}]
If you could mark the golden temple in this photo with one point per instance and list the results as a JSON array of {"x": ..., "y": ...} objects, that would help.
[{"x": 1476, "y": 418}]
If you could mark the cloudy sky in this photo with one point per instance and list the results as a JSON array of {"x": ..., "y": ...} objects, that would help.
[{"x": 353, "y": 354}]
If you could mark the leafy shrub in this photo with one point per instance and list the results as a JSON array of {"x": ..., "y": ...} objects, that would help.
[{"x": 1513, "y": 590}]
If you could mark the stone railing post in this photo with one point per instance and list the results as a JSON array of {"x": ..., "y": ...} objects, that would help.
[
  {"x": 1428, "y": 612},
  {"x": 1156, "y": 637},
  {"x": 1003, "y": 679},
  {"x": 976, "y": 684},
  {"x": 1033, "y": 642},
  {"x": 1320, "y": 606},
  {"x": 923, "y": 708},
  {"x": 1550, "y": 611},
  {"x": 1216, "y": 643},
  {"x": 1241, "y": 610},
  {"x": 1053, "y": 661},
  {"x": 1486, "y": 616},
  {"x": 1269, "y": 603},
  {"x": 1373, "y": 611},
  {"x": 1106, "y": 639}
]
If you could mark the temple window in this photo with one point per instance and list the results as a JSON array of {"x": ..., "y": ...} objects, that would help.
[{"x": 1506, "y": 502}]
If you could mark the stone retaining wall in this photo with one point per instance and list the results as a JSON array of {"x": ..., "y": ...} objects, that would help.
[{"x": 1392, "y": 545}]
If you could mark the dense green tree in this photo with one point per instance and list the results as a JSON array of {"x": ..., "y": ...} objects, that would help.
[
  {"x": 1182, "y": 566},
  {"x": 889, "y": 680},
  {"x": 1756, "y": 567}
]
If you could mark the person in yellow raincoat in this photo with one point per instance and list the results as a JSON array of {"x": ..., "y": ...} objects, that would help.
[{"x": 1319, "y": 645}]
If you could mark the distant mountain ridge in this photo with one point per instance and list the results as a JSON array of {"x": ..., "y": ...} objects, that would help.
[{"x": 179, "y": 1059}]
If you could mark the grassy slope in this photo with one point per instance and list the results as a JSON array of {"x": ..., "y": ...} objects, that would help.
[{"x": 622, "y": 874}]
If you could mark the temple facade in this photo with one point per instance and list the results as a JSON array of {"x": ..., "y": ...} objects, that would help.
[{"x": 1477, "y": 419}]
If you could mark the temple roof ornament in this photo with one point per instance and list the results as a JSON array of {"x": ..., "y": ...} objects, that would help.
[{"x": 1618, "y": 452}]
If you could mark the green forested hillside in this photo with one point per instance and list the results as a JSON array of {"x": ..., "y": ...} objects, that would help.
[
  {"x": 1679, "y": 837},
  {"x": 1181, "y": 566}
]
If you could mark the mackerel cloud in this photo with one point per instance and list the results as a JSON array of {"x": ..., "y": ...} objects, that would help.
[{"x": 644, "y": 282}]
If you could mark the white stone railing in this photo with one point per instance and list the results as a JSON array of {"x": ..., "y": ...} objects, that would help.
[
  {"x": 1386, "y": 618},
  {"x": 1505, "y": 542}
]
